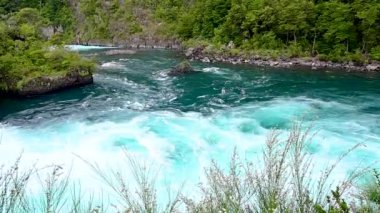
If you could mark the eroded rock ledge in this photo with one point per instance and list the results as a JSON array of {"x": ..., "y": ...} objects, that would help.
[{"x": 47, "y": 84}]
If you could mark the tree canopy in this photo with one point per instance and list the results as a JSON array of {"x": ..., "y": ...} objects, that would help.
[{"x": 334, "y": 29}]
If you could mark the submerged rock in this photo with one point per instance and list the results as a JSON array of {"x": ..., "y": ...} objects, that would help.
[
  {"x": 181, "y": 69},
  {"x": 47, "y": 84}
]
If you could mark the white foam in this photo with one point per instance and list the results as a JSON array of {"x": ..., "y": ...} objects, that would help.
[
  {"x": 215, "y": 70},
  {"x": 112, "y": 65},
  {"x": 183, "y": 144},
  {"x": 86, "y": 48}
]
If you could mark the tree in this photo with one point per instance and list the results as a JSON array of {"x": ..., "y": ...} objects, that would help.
[
  {"x": 292, "y": 16},
  {"x": 336, "y": 24},
  {"x": 59, "y": 14},
  {"x": 232, "y": 29},
  {"x": 368, "y": 12}
]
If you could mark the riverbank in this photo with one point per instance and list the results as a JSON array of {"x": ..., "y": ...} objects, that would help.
[
  {"x": 209, "y": 56},
  {"x": 234, "y": 56}
]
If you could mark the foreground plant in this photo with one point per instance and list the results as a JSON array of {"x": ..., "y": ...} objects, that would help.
[
  {"x": 283, "y": 180},
  {"x": 369, "y": 196},
  {"x": 142, "y": 195},
  {"x": 336, "y": 204},
  {"x": 13, "y": 183}
]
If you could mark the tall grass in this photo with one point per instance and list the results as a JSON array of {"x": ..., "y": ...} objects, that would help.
[
  {"x": 139, "y": 196},
  {"x": 13, "y": 183},
  {"x": 54, "y": 195},
  {"x": 283, "y": 178}
]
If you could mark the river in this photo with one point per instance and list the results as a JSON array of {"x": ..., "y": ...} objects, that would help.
[{"x": 181, "y": 123}]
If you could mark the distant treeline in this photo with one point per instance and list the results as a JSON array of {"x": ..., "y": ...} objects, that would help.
[{"x": 334, "y": 29}]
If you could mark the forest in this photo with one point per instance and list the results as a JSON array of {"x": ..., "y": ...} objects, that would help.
[{"x": 337, "y": 30}]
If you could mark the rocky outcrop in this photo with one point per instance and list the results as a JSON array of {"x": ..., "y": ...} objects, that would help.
[
  {"x": 314, "y": 63},
  {"x": 47, "y": 84},
  {"x": 181, "y": 69}
]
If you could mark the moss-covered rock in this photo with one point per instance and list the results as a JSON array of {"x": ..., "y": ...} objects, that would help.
[
  {"x": 181, "y": 69},
  {"x": 57, "y": 71},
  {"x": 46, "y": 84}
]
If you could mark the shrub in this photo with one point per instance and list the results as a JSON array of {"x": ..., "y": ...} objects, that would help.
[
  {"x": 375, "y": 53},
  {"x": 372, "y": 188},
  {"x": 264, "y": 41},
  {"x": 336, "y": 204}
]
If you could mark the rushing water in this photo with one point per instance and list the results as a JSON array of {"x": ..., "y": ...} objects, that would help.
[{"x": 183, "y": 122}]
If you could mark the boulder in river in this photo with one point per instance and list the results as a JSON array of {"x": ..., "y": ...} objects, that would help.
[{"x": 181, "y": 69}]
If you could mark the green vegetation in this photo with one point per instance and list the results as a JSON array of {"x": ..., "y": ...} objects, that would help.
[
  {"x": 286, "y": 181},
  {"x": 57, "y": 13},
  {"x": 26, "y": 53},
  {"x": 333, "y": 30},
  {"x": 337, "y": 30},
  {"x": 370, "y": 197},
  {"x": 373, "y": 189}
]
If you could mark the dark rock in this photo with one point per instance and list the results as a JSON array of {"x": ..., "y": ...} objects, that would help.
[
  {"x": 181, "y": 69},
  {"x": 47, "y": 84}
]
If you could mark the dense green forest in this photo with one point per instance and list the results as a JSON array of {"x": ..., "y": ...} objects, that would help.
[{"x": 331, "y": 29}]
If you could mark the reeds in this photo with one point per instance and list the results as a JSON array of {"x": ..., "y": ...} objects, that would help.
[
  {"x": 13, "y": 183},
  {"x": 141, "y": 194}
]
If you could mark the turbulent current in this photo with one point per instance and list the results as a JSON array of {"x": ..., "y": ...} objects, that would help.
[{"x": 181, "y": 123}]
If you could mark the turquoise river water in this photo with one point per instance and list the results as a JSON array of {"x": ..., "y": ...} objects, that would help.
[{"x": 181, "y": 123}]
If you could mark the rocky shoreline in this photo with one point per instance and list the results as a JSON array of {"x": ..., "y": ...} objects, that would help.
[
  {"x": 199, "y": 53},
  {"x": 313, "y": 63}
]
